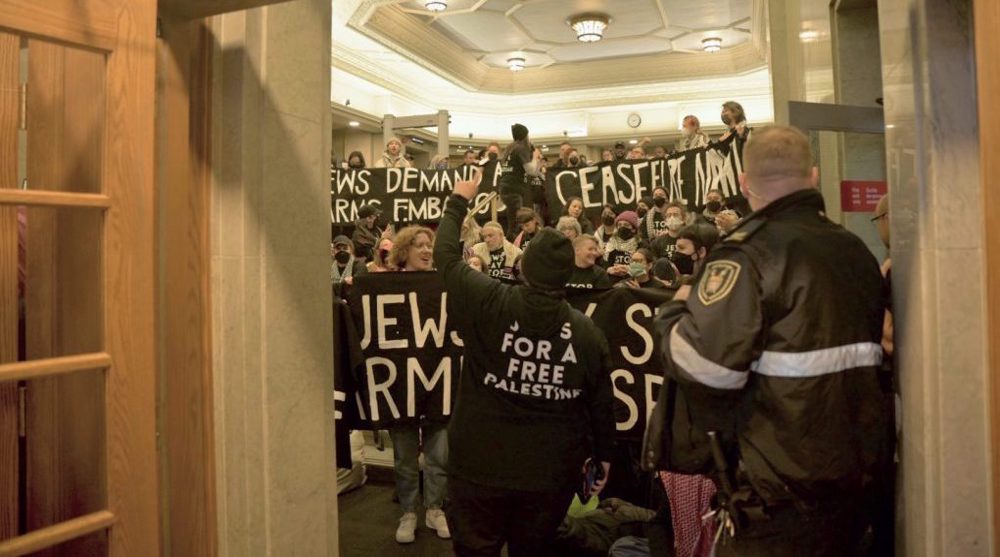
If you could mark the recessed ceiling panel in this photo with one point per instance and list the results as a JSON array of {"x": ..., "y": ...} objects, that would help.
[
  {"x": 531, "y": 59},
  {"x": 546, "y": 19},
  {"x": 498, "y": 5},
  {"x": 486, "y": 31},
  {"x": 609, "y": 49},
  {"x": 706, "y": 14},
  {"x": 453, "y": 6}
]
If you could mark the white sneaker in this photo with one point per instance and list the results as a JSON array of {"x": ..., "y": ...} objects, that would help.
[
  {"x": 436, "y": 521},
  {"x": 407, "y": 530}
]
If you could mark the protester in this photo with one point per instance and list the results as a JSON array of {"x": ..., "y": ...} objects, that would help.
[
  {"x": 469, "y": 159},
  {"x": 726, "y": 221},
  {"x": 497, "y": 253},
  {"x": 380, "y": 261},
  {"x": 586, "y": 272},
  {"x": 714, "y": 204},
  {"x": 520, "y": 162},
  {"x": 640, "y": 272},
  {"x": 654, "y": 222},
  {"x": 574, "y": 208},
  {"x": 489, "y": 153},
  {"x": 439, "y": 162},
  {"x": 535, "y": 396},
  {"x": 693, "y": 138},
  {"x": 659, "y": 152},
  {"x": 664, "y": 271},
  {"x": 366, "y": 233},
  {"x": 665, "y": 242},
  {"x": 562, "y": 163},
  {"x": 637, "y": 153},
  {"x": 413, "y": 251},
  {"x": 642, "y": 206},
  {"x": 607, "y": 155},
  {"x": 472, "y": 234},
  {"x": 619, "y": 249},
  {"x": 775, "y": 352},
  {"x": 344, "y": 267},
  {"x": 569, "y": 226},
  {"x": 476, "y": 263},
  {"x": 356, "y": 161},
  {"x": 607, "y": 227},
  {"x": 620, "y": 151},
  {"x": 530, "y": 224},
  {"x": 735, "y": 120},
  {"x": 393, "y": 157},
  {"x": 693, "y": 244}
]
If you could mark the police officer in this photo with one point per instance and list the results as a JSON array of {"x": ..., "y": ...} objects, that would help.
[
  {"x": 534, "y": 398},
  {"x": 775, "y": 350}
]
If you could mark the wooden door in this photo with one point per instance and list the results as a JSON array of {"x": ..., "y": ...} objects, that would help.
[{"x": 77, "y": 360}]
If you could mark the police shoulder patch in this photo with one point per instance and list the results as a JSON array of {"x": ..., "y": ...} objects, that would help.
[{"x": 717, "y": 281}]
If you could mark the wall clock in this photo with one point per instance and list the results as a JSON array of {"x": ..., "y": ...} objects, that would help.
[{"x": 634, "y": 120}]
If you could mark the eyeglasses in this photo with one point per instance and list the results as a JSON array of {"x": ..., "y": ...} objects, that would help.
[{"x": 879, "y": 217}]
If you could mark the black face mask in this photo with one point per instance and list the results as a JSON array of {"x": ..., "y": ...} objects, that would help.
[
  {"x": 342, "y": 257},
  {"x": 725, "y": 119},
  {"x": 641, "y": 212},
  {"x": 355, "y": 165},
  {"x": 608, "y": 220},
  {"x": 573, "y": 161},
  {"x": 492, "y": 156},
  {"x": 626, "y": 233},
  {"x": 683, "y": 262},
  {"x": 713, "y": 206},
  {"x": 659, "y": 201}
]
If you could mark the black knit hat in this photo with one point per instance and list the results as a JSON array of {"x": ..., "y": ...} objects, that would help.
[
  {"x": 368, "y": 211},
  {"x": 519, "y": 132},
  {"x": 548, "y": 261}
]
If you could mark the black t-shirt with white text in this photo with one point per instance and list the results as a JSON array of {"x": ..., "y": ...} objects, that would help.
[
  {"x": 592, "y": 277},
  {"x": 495, "y": 266},
  {"x": 663, "y": 246}
]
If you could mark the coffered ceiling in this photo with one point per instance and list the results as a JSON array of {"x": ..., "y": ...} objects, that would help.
[{"x": 647, "y": 41}]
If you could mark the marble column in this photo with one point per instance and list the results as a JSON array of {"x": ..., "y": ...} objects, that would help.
[
  {"x": 932, "y": 152},
  {"x": 272, "y": 331}
]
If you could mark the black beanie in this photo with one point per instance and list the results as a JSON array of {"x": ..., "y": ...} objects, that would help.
[
  {"x": 547, "y": 263},
  {"x": 519, "y": 132}
]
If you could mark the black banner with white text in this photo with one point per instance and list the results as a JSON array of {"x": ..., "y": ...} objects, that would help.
[
  {"x": 410, "y": 195},
  {"x": 411, "y": 356}
]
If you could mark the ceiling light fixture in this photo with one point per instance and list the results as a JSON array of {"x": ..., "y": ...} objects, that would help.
[
  {"x": 436, "y": 5},
  {"x": 515, "y": 63},
  {"x": 354, "y": 123},
  {"x": 633, "y": 141},
  {"x": 589, "y": 27},
  {"x": 711, "y": 44},
  {"x": 809, "y": 35}
]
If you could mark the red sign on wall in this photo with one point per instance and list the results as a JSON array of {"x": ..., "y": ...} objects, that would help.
[{"x": 861, "y": 196}]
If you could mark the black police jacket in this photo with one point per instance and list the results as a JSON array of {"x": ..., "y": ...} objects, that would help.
[
  {"x": 534, "y": 398},
  {"x": 777, "y": 349}
]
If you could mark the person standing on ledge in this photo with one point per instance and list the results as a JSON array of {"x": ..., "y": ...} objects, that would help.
[
  {"x": 534, "y": 396},
  {"x": 520, "y": 162}
]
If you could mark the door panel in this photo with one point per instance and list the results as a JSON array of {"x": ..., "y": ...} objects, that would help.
[{"x": 88, "y": 297}]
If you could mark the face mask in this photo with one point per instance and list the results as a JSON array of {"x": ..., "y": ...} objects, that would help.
[
  {"x": 342, "y": 257},
  {"x": 674, "y": 224},
  {"x": 626, "y": 233},
  {"x": 659, "y": 202},
  {"x": 608, "y": 220},
  {"x": 713, "y": 206},
  {"x": 355, "y": 164},
  {"x": 574, "y": 161},
  {"x": 683, "y": 262},
  {"x": 636, "y": 270},
  {"x": 725, "y": 119},
  {"x": 641, "y": 212},
  {"x": 492, "y": 156}
]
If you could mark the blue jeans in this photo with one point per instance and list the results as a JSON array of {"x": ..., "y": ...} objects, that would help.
[{"x": 405, "y": 450}]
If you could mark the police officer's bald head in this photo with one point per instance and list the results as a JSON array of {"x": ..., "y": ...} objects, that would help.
[{"x": 776, "y": 162}]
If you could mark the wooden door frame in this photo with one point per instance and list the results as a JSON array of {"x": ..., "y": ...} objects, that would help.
[{"x": 986, "y": 19}]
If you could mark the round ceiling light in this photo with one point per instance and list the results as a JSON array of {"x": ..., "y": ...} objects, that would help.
[
  {"x": 354, "y": 123},
  {"x": 711, "y": 44},
  {"x": 436, "y": 5},
  {"x": 515, "y": 63},
  {"x": 589, "y": 27}
]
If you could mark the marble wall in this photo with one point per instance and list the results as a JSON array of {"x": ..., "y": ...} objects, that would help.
[
  {"x": 272, "y": 333},
  {"x": 932, "y": 152}
]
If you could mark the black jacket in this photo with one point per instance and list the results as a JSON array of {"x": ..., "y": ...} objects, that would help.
[
  {"x": 534, "y": 398},
  {"x": 777, "y": 349}
]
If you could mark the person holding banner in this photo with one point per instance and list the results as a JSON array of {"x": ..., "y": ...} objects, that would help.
[
  {"x": 693, "y": 138},
  {"x": 393, "y": 157},
  {"x": 521, "y": 161},
  {"x": 534, "y": 397}
]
